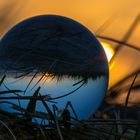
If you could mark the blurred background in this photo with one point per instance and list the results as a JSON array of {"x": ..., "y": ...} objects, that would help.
[{"x": 116, "y": 24}]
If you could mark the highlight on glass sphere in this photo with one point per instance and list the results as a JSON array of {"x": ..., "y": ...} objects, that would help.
[{"x": 58, "y": 60}]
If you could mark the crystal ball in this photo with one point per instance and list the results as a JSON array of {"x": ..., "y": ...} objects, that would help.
[{"x": 58, "y": 56}]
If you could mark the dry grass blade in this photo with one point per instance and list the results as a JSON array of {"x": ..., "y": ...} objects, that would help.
[
  {"x": 68, "y": 93},
  {"x": 32, "y": 104},
  {"x": 57, "y": 127},
  {"x": 106, "y": 24},
  {"x": 30, "y": 82},
  {"x": 44, "y": 97},
  {"x": 119, "y": 42},
  {"x": 2, "y": 80},
  {"x": 48, "y": 109},
  {"x": 126, "y": 37},
  {"x": 124, "y": 79},
  {"x": 10, "y": 91},
  {"x": 128, "y": 95},
  {"x": 8, "y": 129}
]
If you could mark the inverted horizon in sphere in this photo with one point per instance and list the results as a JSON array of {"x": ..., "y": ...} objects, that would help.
[
  {"x": 38, "y": 42},
  {"x": 63, "y": 49}
]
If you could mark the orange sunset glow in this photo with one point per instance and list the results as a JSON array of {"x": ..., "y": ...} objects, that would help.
[
  {"x": 70, "y": 69},
  {"x": 102, "y": 17}
]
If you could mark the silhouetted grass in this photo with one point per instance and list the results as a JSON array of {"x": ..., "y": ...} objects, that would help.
[{"x": 21, "y": 125}]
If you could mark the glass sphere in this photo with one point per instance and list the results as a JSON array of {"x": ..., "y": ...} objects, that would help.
[{"x": 60, "y": 56}]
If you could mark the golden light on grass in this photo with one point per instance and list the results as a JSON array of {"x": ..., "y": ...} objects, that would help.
[{"x": 108, "y": 50}]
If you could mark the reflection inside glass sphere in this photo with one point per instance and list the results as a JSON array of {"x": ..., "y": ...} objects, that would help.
[
  {"x": 85, "y": 96},
  {"x": 53, "y": 60}
]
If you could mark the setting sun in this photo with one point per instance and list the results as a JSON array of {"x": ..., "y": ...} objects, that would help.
[{"x": 108, "y": 50}]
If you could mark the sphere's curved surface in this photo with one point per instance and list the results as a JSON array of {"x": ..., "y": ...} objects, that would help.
[{"x": 60, "y": 48}]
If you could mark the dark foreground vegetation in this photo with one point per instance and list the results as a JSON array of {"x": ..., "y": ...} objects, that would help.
[{"x": 110, "y": 122}]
